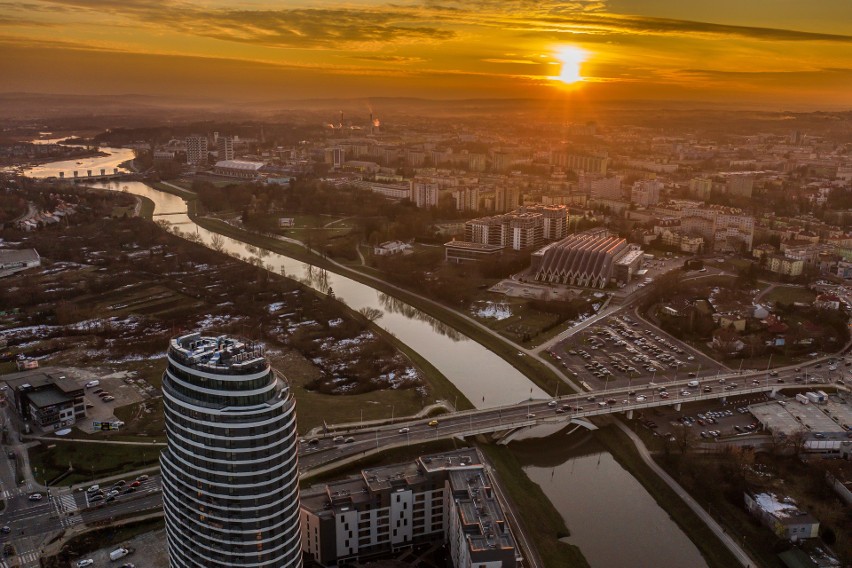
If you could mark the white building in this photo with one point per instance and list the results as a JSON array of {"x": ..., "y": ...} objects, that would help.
[
  {"x": 646, "y": 192},
  {"x": 225, "y": 147},
  {"x": 229, "y": 471},
  {"x": 238, "y": 169}
]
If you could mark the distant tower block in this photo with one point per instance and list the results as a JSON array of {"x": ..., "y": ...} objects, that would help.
[
  {"x": 103, "y": 171},
  {"x": 61, "y": 175},
  {"x": 75, "y": 173},
  {"x": 115, "y": 171},
  {"x": 89, "y": 173}
]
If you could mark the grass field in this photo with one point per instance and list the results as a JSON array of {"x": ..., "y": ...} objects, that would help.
[
  {"x": 88, "y": 461},
  {"x": 542, "y": 522},
  {"x": 789, "y": 295}
]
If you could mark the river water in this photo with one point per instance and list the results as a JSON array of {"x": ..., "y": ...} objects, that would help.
[{"x": 613, "y": 520}]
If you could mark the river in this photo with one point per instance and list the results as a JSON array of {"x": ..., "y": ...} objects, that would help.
[{"x": 613, "y": 520}]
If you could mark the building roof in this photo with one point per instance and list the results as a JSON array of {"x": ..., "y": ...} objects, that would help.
[
  {"x": 240, "y": 165},
  {"x": 10, "y": 256},
  {"x": 47, "y": 397},
  {"x": 472, "y": 246}
]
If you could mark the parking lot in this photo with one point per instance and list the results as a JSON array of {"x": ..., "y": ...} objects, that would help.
[
  {"x": 619, "y": 350},
  {"x": 709, "y": 420},
  {"x": 111, "y": 392}
]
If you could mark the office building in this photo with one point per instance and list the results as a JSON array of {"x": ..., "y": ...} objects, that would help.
[
  {"x": 196, "y": 150},
  {"x": 230, "y": 477},
  {"x": 446, "y": 498},
  {"x": 225, "y": 147},
  {"x": 46, "y": 398}
]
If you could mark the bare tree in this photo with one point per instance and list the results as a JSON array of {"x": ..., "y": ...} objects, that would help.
[
  {"x": 372, "y": 314},
  {"x": 218, "y": 243}
]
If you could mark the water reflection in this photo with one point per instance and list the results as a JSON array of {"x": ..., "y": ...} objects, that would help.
[
  {"x": 611, "y": 517},
  {"x": 397, "y": 306}
]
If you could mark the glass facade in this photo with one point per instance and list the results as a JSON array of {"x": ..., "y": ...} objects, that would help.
[{"x": 230, "y": 476}]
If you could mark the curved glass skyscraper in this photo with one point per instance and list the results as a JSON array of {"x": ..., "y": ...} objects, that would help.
[{"x": 230, "y": 477}]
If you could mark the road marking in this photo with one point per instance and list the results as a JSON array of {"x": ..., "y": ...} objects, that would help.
[{"x": 66, "y": 503}]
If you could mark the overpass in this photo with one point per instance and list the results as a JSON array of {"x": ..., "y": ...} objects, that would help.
[{"x": 344, "y": 443}]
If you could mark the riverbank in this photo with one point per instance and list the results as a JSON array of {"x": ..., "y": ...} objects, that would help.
[{"x": 715, "y": 553}]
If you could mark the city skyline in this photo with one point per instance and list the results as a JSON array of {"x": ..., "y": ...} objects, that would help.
[{"x": 765, "y": 52}]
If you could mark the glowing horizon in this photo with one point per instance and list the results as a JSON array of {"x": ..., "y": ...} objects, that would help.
[{"x": 764, "y": 52}]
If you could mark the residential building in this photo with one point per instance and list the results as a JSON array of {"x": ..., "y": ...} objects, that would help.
[
  {"x": 47, "y": 398},
  {"x": 467, "y": 199},
  {"x": 739, "y": 185},
  {"x": 646, "y": 192},
  {"x": 599, "y": 186},
  {"x": 437, "y": 498},
  {"x": 196, "y": 150},
  {"x": 580, "y": 162},
  {"x": 393, "y": 191},
  {"x": 424, "y": 194},
  {"x": 229, "y": 470},
  {"x": 390, "y": 248},
  {"x": 225, "y": 148},
  {"x": 517, "y": 230},
  {"x": 782, "y": 516},
  {"x": 506, "y": 198},
  {"x": 781, "y": 264},
  {"x": 700, "y": 188}
]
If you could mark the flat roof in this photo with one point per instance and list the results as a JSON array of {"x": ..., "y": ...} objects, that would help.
[
  {"x": 239, "y": 165},
  {"x": 473, "y": 246},
  {"x": 795, "y": 417},
  {"x": 9, "y": 256},
  {"x": 48, "y": 397}
]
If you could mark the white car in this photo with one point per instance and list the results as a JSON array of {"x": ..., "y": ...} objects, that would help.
[
  {"x": 85, "y": 562},
  {"x": 36, "y": 497},
  {"x": 92, "y": 384},
  {"x": 685, "y": 393},
  {"x": 641, "y": 398},
  {"x": 404, "y": 430}
]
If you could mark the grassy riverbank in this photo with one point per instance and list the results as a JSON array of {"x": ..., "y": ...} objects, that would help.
[
  {"x": 542, "y": 523},
  {"x": 622, "y": 449},
  {"x": 533, "y": 369}
]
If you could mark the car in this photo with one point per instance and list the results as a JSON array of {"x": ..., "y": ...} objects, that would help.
[
  {"x": 531, "y": 415},
  {"x": 552, "y": 403},
  {"x": 112, "y": 493},
  {"x": 142, "y": 478},
  {"x": 104, "y": 394},
  {"x": 98, "y": 497},
  {"x": 119, "y": 483},
  {"x": 129, "y": 489},
  {"x": 685, "y": 393},
  {"x": 92, "y": 384},
  {"x": 313, "y": 441},
  {"x": 36, "y": 497},
  {"x": 6, "y": 529},
  {"x": 108, "y": 398},
  {"x": 560, "y": 411},
  {"x": 11, "y": 455},
  {"x": 641, "y": 398},
  {"x": 349, "y": 440},
  {"x": 110, "y": 498},
  {"x": 98, "y": 391},
  {"x": 433, "y": 423},
  {"x": 93, "y": 489},
  {"x": 136, "y": 484},
  {"x": 128, "y": 565},
  {"x": 85, "y": 562},
  {"x": 404, "y": 430}
]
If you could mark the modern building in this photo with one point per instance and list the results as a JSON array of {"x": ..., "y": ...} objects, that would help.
[
  {"x": 444, "y": 497},
  {"x": 467, "y": 199},
  {"x": 464, "y": 251},
  {"x": 46, "y": 398},
  {"x": 229, "y": 471},
  {"x": 239, "y": 169},
  {"x": 196, "y": 150},
  {"x": 225, "y": 147},
  {"x": 517, "y": 230},
  {"x": 506, "y": 198},
  {"x": 586, "y": 259}
]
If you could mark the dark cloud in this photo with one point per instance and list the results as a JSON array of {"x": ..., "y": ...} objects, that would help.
[{"x": 613, "y": 23}]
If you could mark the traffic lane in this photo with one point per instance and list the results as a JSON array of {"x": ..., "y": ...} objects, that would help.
[
  {"x": 116, "y": 508},
  {"x": 83, "y": 498}
]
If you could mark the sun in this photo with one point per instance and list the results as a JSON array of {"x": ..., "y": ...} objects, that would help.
[{"x": 571, "y": 58}]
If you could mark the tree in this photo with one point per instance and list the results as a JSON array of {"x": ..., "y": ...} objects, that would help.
[
  {"x": 371, "y": 314},
  {"x": 218, "y": 243}
]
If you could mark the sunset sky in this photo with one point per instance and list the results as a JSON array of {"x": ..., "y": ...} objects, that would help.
[{"x": 758, "y": 52}]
